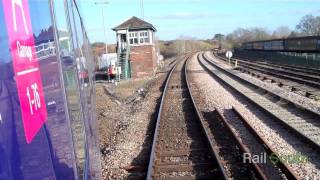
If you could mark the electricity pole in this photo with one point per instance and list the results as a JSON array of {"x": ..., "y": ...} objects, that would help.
[{"x": 103, "y": 3}]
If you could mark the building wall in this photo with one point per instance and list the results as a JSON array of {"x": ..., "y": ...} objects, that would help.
[{"x": 143, "y": 61}]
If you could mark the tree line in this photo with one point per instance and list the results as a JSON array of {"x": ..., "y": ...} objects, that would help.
[
  {"x": 182, "y": 45},
  {"x": 308, "y": 25}
]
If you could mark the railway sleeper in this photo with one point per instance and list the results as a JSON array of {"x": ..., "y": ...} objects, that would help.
[
  {"x": 270, "y": 79},
  {"x": 278, "y": 115},
  {"x": 304, "y": 75},
  {"x": 205, "y": 174},
  {"x": 184, "y": 167},
  {"x": 173, "y": 160},
  {"x": 182, "y": 152}
]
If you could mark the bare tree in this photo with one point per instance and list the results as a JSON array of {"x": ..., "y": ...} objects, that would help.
[
  {"x": 259, "y": 34},
  {"x": 309, "y": 25},
  {"x": 317, "y": 26},
  {"x": 183, "y": 45},
  {"x": 281, "y": 32},
  {"x": 293, "y": 34},
  {"x": 241, "y": 35}
]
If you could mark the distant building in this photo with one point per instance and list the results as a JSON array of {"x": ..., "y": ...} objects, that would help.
[{"x": 136, "y": 50}]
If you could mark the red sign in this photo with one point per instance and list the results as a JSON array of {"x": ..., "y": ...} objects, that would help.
[{"x": 26, "y": 67}]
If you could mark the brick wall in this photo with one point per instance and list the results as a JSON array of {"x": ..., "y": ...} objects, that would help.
[{"x": 143, "y": 61}]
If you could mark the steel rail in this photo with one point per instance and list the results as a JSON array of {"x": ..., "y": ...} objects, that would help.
[
  {"x": 290, "y": 174},
  {"x": 154, "y": 142},
  {"x": 151, "y": 166},
  {"x": 297, "y": 132},
  {"x": 243, "y": 147},
  {"x": 309, "y": 70},
  {"x": 201, "y": 119},
  {"x": 302, "y": 73},
  {"x": 258, "y": 87},
  {"x": 301, "y": 78},
  {"x": 293, "y": 74},
  {"x": 308, "y": 91},
  {"x": 298, "y": 68},
  {"x": 303, "y": 69}
]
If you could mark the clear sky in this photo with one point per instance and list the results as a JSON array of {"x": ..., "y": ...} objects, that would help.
[{"x": 196, "y": 18}]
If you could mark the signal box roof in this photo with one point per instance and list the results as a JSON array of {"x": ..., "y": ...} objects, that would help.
[{"x": 134, "y": 23}]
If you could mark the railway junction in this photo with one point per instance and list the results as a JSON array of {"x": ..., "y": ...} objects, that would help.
[{"x": 203, "y": 117}]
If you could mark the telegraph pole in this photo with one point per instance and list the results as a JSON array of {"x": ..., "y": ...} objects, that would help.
[
  {"x": 103, "y": 3},
  {"x": 142, "y": 9}
]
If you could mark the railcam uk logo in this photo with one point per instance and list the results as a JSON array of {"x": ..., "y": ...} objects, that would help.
[
  {"x": 297, "y": 158},
  {"x": 26, "y": 67}
]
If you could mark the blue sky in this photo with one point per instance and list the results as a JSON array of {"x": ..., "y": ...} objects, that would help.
[{"x": 196, "y": 18}]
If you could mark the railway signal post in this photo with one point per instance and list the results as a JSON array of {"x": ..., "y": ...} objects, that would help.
[{"x": 229, "y": 55}]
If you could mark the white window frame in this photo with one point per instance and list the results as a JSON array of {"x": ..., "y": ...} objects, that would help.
[
  {"x": 133, "y": 36},
  {"x": 144, "y": 37},
  {"x": 141, "y": 38}
]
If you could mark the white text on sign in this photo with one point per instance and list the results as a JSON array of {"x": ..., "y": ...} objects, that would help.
[
  {"x": 34, "y": 101},
  {"x": 19, "y": 4},
  {"x": 24, "y": 51}
]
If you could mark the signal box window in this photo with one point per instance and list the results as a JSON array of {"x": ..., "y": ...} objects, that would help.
[
  {"x": 133, "y": 38},
  {"x": 144, "y": 37}
]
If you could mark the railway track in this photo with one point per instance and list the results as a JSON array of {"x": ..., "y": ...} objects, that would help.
[
  {"x": 188, "y": 145},
  {"x": 303, "y": 69},
  {"x": 253, "y": 143},
  {"x": 302, "y": 123},
  {"x": 300, "y": 81},
  {"x": 181, "y": 148},
  {"x": 228, "y": 145},
  {"x": 311, "y": 71},
  {"x": 303, "y": 78},
  {"x": 237, "y": 138}
]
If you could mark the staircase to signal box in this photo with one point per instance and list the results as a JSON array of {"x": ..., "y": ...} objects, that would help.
[{"x": 124, "y": 63}]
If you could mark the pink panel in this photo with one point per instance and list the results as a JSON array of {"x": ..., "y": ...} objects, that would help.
[{"x": 26, "y": 67}]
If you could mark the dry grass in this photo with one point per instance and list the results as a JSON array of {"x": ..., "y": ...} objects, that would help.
[{"x": 129, "y": 87}]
